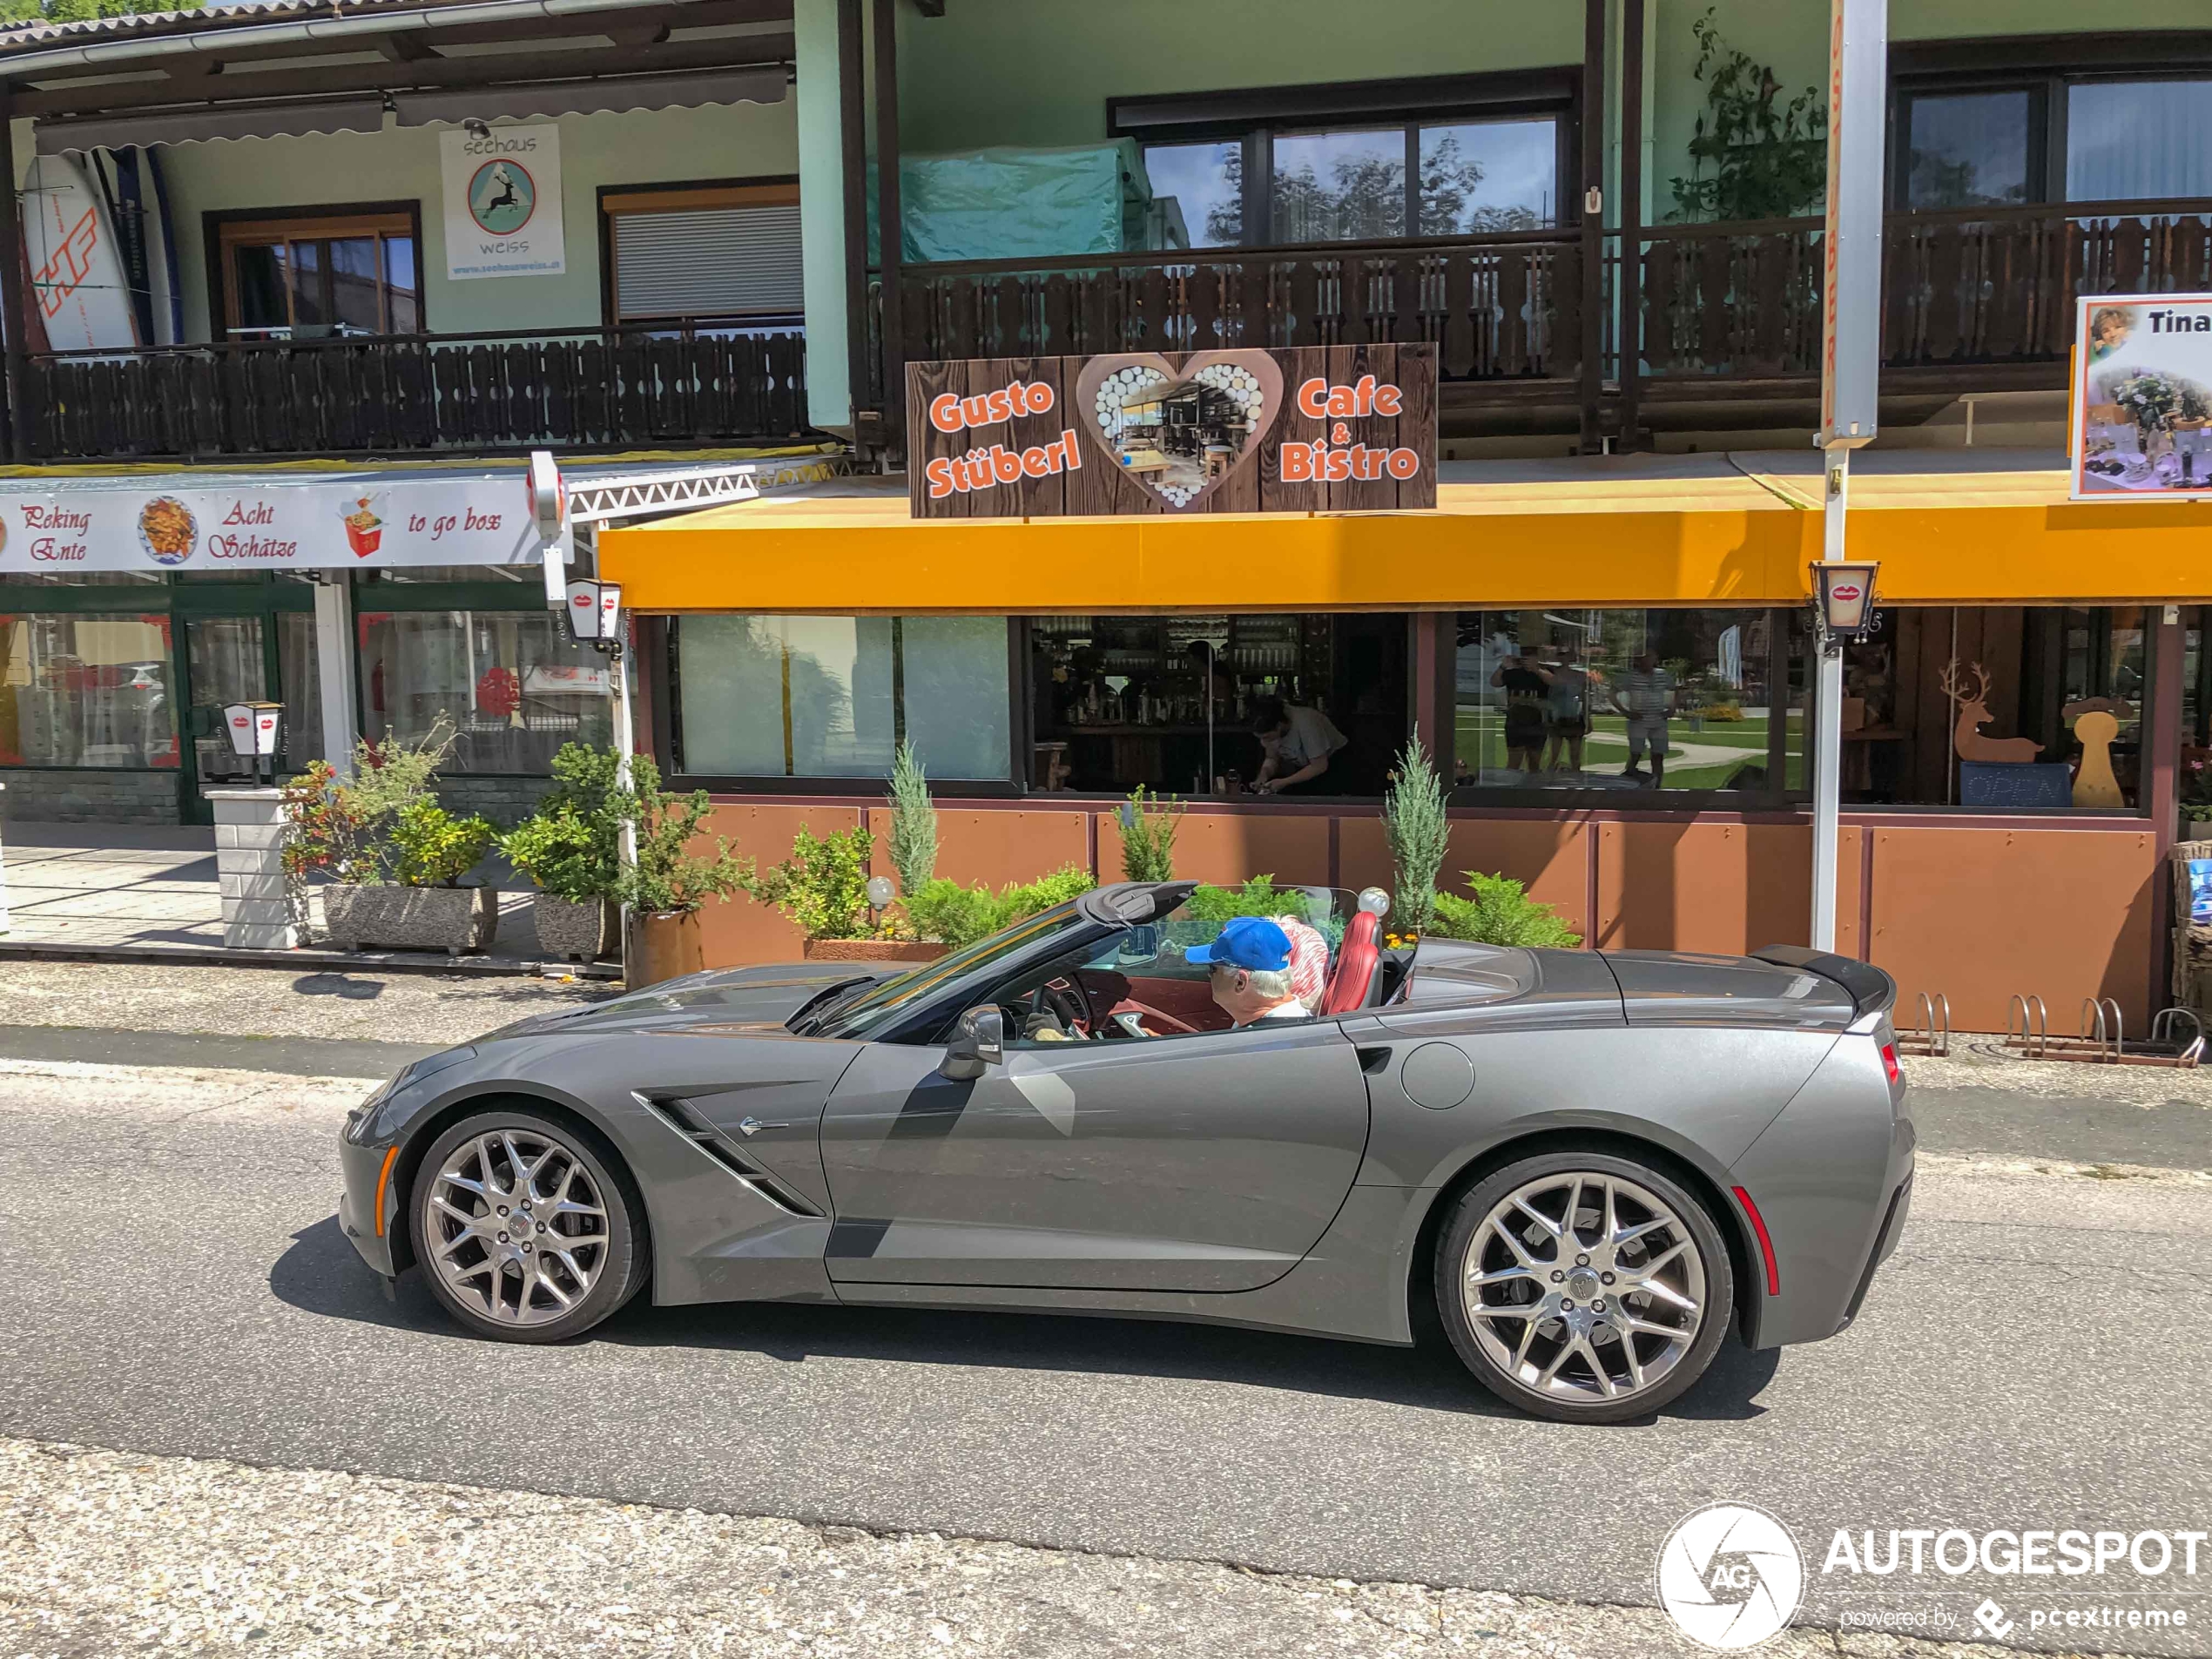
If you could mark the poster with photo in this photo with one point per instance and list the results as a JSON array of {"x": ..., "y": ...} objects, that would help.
[
  {"x": 502, "y": 202},
  {"x": 2142, "y": 397}
]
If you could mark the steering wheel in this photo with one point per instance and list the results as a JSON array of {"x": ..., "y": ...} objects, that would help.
[
  {"x": 1146, "y": 1011},
  {"x": 1065, "y": 1003}
]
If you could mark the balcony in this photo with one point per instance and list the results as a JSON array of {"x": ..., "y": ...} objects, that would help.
[
  {"x": 1972, "y": 301},
  {"x": 666, "y": 386}
]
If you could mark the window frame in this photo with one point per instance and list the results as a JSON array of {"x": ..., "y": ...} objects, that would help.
[
  {"x": 767, "y": 190},
  {"x": 2046, "y": 67},
  {"x": 223, "y": 230},
  {"x": 1255, "y": 117}
]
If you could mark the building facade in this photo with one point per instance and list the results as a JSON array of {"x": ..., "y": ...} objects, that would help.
[{"x": 1598, "y": 630}]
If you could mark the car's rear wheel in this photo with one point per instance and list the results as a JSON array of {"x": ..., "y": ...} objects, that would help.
[
  {"x": 523, "y": 1230},
  {"x": 1584, "y": 1286}
]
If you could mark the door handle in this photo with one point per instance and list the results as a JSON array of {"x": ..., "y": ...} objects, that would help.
[
  {"x": 749, "y": 1127},
  {"x": 1373, "y": 1061}
]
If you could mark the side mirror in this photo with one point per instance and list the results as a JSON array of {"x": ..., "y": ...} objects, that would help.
[{"x": 979, "y": 1040}]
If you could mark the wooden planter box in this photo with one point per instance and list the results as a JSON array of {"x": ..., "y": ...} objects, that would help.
[
  {"x": 453, "y": 920},
  {"x": 873, "y": 950},
  {"x": 574, "y": 933},
  {"x": 662, "y": 945}
]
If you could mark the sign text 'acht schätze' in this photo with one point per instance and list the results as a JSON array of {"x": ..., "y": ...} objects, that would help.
[{"x": 1315, "y": 429}]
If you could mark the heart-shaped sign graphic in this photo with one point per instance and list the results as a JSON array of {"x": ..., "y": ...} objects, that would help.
[{"x": 1180, "y": 432}]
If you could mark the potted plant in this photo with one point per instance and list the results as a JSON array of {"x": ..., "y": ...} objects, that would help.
[
  {"x": 570, "y": 848},
  {"x": 1501, "y": 913},
  {"x": 1419, "y": 835},
  {"x": 953, "y": 917},
  {"x": 423, "y": 906},
  {"x": 340, "y": 828},
  {"x": 668, "y": 884},
  {"x": 823, "y": 889},
  {"x": 913, "y": 821},
  {"x": 1147, "y": 830}
]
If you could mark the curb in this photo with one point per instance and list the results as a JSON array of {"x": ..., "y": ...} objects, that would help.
[{"x": 359, "y": 961}]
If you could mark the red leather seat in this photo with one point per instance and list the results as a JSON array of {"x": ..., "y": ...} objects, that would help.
[{"x": 1357, "y": 961}]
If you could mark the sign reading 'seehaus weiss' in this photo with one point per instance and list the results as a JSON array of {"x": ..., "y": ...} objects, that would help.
[{"x": 1325, "y": 428}]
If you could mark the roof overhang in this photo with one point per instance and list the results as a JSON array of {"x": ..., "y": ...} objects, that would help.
[{"x": 1949, "y": 528}]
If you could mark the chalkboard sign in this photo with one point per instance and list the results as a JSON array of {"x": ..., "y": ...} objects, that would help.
[{"x": 2009, "y": 786}]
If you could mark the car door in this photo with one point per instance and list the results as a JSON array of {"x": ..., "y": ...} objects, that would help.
[{"x": 1207, "y": 1161}]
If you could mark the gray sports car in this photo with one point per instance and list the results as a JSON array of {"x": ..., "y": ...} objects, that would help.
[{"x": 1593, "y": 1161}]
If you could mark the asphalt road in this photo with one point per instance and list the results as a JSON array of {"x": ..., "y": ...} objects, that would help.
[{"x": 172, "y": 1280}]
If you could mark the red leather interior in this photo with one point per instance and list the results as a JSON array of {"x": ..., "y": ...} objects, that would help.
[{"x": 1355, "y": 968}]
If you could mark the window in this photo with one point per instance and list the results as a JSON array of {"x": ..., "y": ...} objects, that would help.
[
  {"x": 512, "y": 684},
  {"x": 722, "y": 253},
  {"x": 1631, "y": 700},
  {"x": 1171, "y": 703},
  {"x": 2037, "y": 137},
  {"x": 307, "y": 279},
  {"x": 1989, "y": 707},
  {"x": 86, "y": 690},
  {"x": 832, "y": 697},
  {"x": 1458, "y": 157}
]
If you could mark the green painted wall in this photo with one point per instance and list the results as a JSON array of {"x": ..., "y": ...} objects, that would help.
[
  {"x": 822, "y": 211},
  {"x": 316, "y": 171},
  {"x": 1017, "y": 71}
]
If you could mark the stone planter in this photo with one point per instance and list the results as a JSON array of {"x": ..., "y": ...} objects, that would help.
[
  {"x": 663, "y": 945},
  {"x": 575, "y": 932},
  {"x": 453, "y": 920},
  {"x": 873, "y": 950}
]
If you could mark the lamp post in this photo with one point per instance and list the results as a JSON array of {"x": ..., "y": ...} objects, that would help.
[
  {"x": 254, "y": 730},
  {"x": 880, "y": 893},
  {"x": 594, "y": 611}
]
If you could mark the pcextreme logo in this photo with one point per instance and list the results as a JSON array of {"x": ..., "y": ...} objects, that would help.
[{"x": 1730, "y": 1576}]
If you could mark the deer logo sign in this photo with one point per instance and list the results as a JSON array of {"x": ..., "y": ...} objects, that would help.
[{"x": 1974, "y": 714}]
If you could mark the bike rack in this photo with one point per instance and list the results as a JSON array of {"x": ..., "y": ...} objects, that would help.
[
  {"x": 1933, "y": 1036},
  {"x": 2103, "y": 1036}
]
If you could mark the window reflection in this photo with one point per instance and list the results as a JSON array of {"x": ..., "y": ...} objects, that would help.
[
  {"x": 1569, "y": 698},
  {"x": 1969, "y": 150},
  {"x": 1340, "y": 186},
  {"x": 1489, "y": 176},
  {"x": 1198, "y": 189},
  {"x": 513, "y": 684},
  {"x": 85, "y": 690},
  {"x": 2138, "y": 140}
]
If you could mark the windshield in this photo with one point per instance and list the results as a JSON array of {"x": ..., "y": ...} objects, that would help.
[{"x": 870, "y": 1011}]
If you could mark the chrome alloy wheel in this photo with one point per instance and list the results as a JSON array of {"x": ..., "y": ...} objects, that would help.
[
  {"x": 1587, "y": 1287},
  {"x": 515, "y": 1226}
]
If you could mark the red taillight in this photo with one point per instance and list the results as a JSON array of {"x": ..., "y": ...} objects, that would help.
[
  {"x": 1766, "y": 1244},
  {"x": 1889, "y": 1065}
]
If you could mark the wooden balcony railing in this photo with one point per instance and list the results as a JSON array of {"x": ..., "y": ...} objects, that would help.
[
  {"x": 671, "y": 384},
  {"x": 1718, "y": 302},
  {"x": 1499, "y": 307}
]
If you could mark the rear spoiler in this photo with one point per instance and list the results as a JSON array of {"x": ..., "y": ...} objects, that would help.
[{"x": 1870, "y": 989}]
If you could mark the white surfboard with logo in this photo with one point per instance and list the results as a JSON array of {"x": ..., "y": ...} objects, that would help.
[{"x": 76, "y": 268}]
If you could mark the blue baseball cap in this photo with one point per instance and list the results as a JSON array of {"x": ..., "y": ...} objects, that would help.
[{"x": 1248, "y": 942}]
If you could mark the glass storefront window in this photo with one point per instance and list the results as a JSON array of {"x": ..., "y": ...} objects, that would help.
[
  {"x": 831, "y": 697},
  {"x": 1932, "y": 681},
  {"x": 1120, "y": 701},
  {"x": 85, "y": 690},
  {"x": 1557, "y": 697},
  {"x": 513, "y": 684}
]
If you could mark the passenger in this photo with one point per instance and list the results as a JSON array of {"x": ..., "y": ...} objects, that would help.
[
  {"x": 1309, "y": 961},
  {"x": 1251, "y": 971}
]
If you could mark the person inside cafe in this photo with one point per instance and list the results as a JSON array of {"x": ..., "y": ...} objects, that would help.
[
  {"x": 1298, "y": 741},
  {"x": 1251, "y": 977},
  {"x": 1646, "y": 697}
]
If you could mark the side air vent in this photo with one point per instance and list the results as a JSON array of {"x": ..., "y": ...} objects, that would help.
[{"x": 681, "y": 1116}]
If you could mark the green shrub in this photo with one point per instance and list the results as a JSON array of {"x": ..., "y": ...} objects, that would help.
[
  {"x": 1209, "y": 906},
  {"x": 913, "y": 821},
  {"x": 571, "y": 846},
  {"x": 1414, "y": 825},
  {"x": 1501, "y": 913},
  {"x": 960, "y": 915},
  {"x": 668, "y": 876},
  {"x": 1148, "y": 836},
  {"x": 823, "y": 886},
  {"x": 342, "y": 827},
  {"x": 432, "y": 848}
]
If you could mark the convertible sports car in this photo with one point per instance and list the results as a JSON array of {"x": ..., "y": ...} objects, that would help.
[{"x": 1593, "y": 1161}]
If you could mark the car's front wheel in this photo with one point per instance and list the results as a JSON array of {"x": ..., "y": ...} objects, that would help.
[
  {"x": 523, "y": 1230},
  {"x": 1583, "y": 1286}
]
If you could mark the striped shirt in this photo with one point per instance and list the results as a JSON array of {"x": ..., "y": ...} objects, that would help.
[{"x": 1647, "y": 694}]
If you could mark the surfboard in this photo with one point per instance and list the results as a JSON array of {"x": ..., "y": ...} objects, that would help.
[
  {"x": 168, "y": 293},
  {"x": 75, "y": 267},
  {"x": 118, "y": 174}
]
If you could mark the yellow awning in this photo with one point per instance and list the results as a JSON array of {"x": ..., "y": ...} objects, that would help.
[{"x": 1955, "y": 527}]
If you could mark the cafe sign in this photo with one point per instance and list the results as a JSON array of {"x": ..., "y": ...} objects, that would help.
[
  {"x": 1324, "y": 429},
  {"x": 60, "y": 526}
]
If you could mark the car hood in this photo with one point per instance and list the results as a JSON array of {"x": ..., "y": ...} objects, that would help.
[{"x": 765, "y": 996}]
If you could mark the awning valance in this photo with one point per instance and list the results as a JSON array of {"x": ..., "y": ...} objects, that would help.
[
  {"x": 196, "y": 126},
  {"x": 759, "y": 83},
  {"x": 1991, "y": 527}
]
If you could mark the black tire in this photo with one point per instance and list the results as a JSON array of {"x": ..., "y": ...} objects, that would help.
[
  {"x": 618, "y": 1268},
  {"x": 1576, "y": 1393}
]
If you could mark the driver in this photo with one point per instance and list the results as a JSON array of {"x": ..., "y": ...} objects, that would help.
[{"x": 1251, "y": 971}]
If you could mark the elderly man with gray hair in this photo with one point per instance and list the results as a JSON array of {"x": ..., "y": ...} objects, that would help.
[{"x": 1251, "y": 971}]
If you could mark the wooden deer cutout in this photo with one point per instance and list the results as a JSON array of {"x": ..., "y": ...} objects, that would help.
[
  {"x": 2096, "y": 726},
  {"x": 1974, "y": 714}
]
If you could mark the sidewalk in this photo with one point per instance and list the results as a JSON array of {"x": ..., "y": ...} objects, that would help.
[{"x": 113, "y": 889}]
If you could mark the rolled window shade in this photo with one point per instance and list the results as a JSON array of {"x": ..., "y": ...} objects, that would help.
[{"x": 709, "y": 262}]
